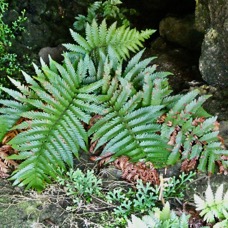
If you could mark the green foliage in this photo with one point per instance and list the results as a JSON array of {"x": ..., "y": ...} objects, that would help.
[
  {"x": 130, "y": 98},
  {"x": 107, "y": 9},
  {"x": 8, "y": 61},
  {"x": 137, "y": 201},
  {"x": 55, "y": 131},
  {"x": 112, "y": 41},
  {"x": 159, "y": 219},
  {"x": 175, "y": 187},
  {"x": 85, "y": 189},
  {"x": 55, "y": 102},
  {"x": 129, "y": 130},
  {"x": 147, "y": 196},
  {"x": 80, "y": 187},
  {"x": 214, "y": 207},
  {"x": 198, "y": 140}
]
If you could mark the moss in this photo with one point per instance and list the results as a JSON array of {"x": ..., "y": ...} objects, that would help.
[
  {"x": 202, "y": 15},
  {"x": 18, "y": 213}
]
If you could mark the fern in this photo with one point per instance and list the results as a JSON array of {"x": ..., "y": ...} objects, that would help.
[
  {"x": 214, "y": 206},
  {"x": 11, "y": 110},
  {"x": 126, "y": 129},
  {"x": 108, "y": 9},
  {"x": 197, "y": 140},
  {"x": 110, "y": 41},
  {"x": 139, "y": 116},
  {"x": 160, "y": 219},
  {"x": 54, "y": 131}
]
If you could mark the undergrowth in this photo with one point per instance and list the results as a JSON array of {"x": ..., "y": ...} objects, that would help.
[
  {"x": 9, "y": 64},
  {"x": 139, "y": 118},
  {"x": 85, "y": 188}
]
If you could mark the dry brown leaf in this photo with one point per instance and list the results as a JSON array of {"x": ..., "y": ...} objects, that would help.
[{"x": 6, "y": 165}]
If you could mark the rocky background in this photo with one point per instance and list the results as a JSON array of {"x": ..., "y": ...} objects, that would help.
[{"x": 191, "y": 39}]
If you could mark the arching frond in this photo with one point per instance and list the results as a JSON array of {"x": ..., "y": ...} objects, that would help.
[
  {"x": 109, "y": 41},
  {"x": 54, "y": 131}
]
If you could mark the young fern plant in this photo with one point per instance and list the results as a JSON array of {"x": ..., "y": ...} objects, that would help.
[
  {"x": 131, "y": 101},
  {"x": 214, "y": 206},
  {"x": 129, "y": 125},
  {"x": 127, "y": 128}
]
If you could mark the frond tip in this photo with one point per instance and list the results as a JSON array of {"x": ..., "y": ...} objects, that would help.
[{"x": 110, "y": 41}]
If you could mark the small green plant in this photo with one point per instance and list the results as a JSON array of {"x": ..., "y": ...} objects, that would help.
[
  {"x": 80, "y": 187},
  {"x": 164, "y": 218},
  {"x": 147, "y": 196},
  {"x": 131, "y": 201},
  {"x": 175, "y": 187},
  {"x": 9, "y": 64},
  {"x": 100, "y": 10},
  {"x": 214, "y": 208}
]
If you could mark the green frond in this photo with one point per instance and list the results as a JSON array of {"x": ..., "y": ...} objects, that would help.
[
  {"x": 175, "y": 154},
  {"x": 128, "y": 130},
  {"x": 205, "y": 127},
  {"x": 184, "y": 101},
  {"x": 195, "y": 140},
  {"x": 214, "y": 206},
  {"x": 100, "y": 39},
  {"x": 11, "y": 110},
  {"x": 55, "y": 131}
]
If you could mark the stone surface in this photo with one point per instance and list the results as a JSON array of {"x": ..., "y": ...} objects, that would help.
[
  {"x": 224, "y": 132},
  {"x": 54, "y": 52},
  {"x": 48, "y": 23},
  {"x": 150, "y": 12},
  {"x": 181, "y": 31},
  {"x": 213, "y": 62},
  {"x": 202, "y": 16},
  {"x": 182, "y": 63},
  {"x": 201, "y": 181}
]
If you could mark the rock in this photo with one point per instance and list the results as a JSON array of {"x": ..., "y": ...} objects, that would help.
[
  {"x": 181, "y": 31},
  {"x": 20, "y": 209},
  {"x": 54, "y": 52},
  {"x": 48, "y": 22},
  {"x": 182, "y": 63},
  {"x": 202, "y": 16},
  {"x": 224, "y": 132},
  {"x": 150, "y": 12},
  {"x": 36, "y": 35},
  {"x": 213, "y": 62},
  {"x": 201, "y": 181}
]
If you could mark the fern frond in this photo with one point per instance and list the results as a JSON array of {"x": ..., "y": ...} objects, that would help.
[
  {"x": 12, "y": 110},
  {"x": 214, "y": 206},
  {"x": 128, "y": 130},
  {"x": 100, "y": 39},
  {"x": 55, "y": 131}
]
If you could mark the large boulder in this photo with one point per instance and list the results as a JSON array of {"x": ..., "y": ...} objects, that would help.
[
  {"x": 212, "y": 17},
  {"x": 181, "y": 31},
  {"x": 182, "y": 62},
  {"x": 150, "y": 12}
]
